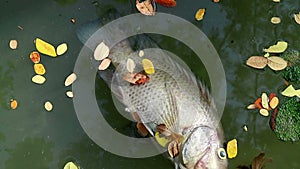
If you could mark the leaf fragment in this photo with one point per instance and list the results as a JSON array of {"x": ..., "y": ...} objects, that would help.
[
  {"x": 146, "y": 7},
  {"x": 166, "y": 3},
  {"x": 70, "y": 79},
  {"x": 258, "y": 62},
  {"x": 38, "y": 79},
  {"x": 280, "y": 47},
  {"x": 70, "y": 165},
  {"x": 104, "y": 64},
  {"x": 297, "y": 18},
  {"x": 277, "y": 63},
  {"x": 61, "y": 49},
  {"x": 142, "y": 129},
  {"x": 45, "y": 47},
  {"x": 101, "y": 52},
  {"x": 232, "y": 148},
  {"x": 200, "y": 14},
  {"x": 13, "y": 44},
  {"x": 130, "y": 65}
]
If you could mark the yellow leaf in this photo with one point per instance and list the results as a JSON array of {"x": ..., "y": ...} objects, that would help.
[
  {"x": 280, "y": 47},
  {"x": 289, "y": 91},
  {"x": 39, "y": 69},
  {"x": 258, "y": 62},
  {"x": 277, "y": 63},
  {"x": 70, "y": 165},
  {"x": 161, "y": 140},
  {"x": 45, "y": 47},
  {"x": 274, "y": 102},
  {"x": 232, "y": 148},
  {"x": 148, "y": 66},
  {"x": 61, "y": 49},
  {"x": 200, "y": 14}
]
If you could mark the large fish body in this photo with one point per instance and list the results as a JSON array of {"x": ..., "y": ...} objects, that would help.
[{"x": 173, "y": 97}]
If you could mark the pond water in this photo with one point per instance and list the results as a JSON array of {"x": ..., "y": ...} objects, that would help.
[{"x": 31, "y": 137}]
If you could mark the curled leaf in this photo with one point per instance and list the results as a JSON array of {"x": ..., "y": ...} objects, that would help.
[
  {"x": 280, "y": 47},
  {"x": 258, "y": 62},
  {"x": 277, "y": 63},
  {"x": 200, "y": 14},
  {"x": 146, "y": 7}
]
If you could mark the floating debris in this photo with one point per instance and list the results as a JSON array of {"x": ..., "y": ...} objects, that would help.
[
  {"x": 264, "y": 112},
  {"x": 245, "y": 128},
  {"x": 277, "y": 63},
  {"x": 70, "y": 79},
  {"x": 251, "y": 106},
  {"x": 200, "y": 14},
  {"x": 274, "y": 102},
  {"x": 148, "y": 66},
  {"x": 280, "y": 47},
  {"x": 130, "y": 65},
  {"x": 141, "y": 53},
  {"x": 297, "y": 18},
  {"x": 166, "y": 3},
  {"x": 13, "y": 104},
  {"x": 13, "y": 44},
  {"x": 70, "y": 94},
  {"x": 73, "y": 20},
  {"x": 101, "y": 52},
  {"x": 61, "y": 49},
  {"x": 39, "y": 69},
  {"x": 146, "y": 7},
  {"x": 104, "y": 64},
  {"x": 71, "y": 165},
  {"x": 38, "y": 79},
  {"x": 45, "y": 47},
  {"x": 275, "y": 20},
  {"x": 264, "y": 101},
  {"x": 48, "y": 106},
  {"x": 232, "y": 148},
  {"x": 35, "y": 57}
]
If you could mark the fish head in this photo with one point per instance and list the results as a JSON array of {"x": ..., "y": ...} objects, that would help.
[{"x": 201, "y": 149}]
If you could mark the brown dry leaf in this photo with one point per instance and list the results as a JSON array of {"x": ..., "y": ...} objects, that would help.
[
  {"x": 173, "y": 149},
  {"x": 297, "y": 18},
  {"x": 146, "y": 7},
  {"x": 104, "y": 64},
  {"x": 259, "y": 161},
  {"x": 129, "y": 77},
  {"x": 277, "y": 63},
  {"x": 258, "y": 62}
]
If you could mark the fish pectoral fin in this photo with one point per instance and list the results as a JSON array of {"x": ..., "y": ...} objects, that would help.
[
  {"x": 173, "y": 149},
  {"x": 162, "y": 140},
  {"x": 142, "y": 129},
  {"x": 163, "y": 130}
]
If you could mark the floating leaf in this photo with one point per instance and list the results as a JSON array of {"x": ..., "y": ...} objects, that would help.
[
  {"x": 275, "y": 20},
  {"x": 245, "y": 128},
  {"x": 61, "y": 49},
  {"x": 141, "y": 53},
  {"x": 251, "y": 106},
  {"x": 277, "y": 63},
  {"x": 70, "y": 165},
  {"x": 38, "y": 79},
  {"x": 101, "y": 52},
  {"x": 232, "y": 148},
  {"x": 130, "y": 65},
  {"x": 13, "y": 44},
  {"x": 39, "y": 69},
  {"x": 45, "y": 47},
  {"x": 258, "y": 62},
  {"x": 104, "y": 64},
  {"x": 48, "y": 106},
  {"x": 13, "y": 104},
  {"x": 200, "y": 14},
  {"x": 297, "y": 18},
  {"x": 166, "y": 3},
  {"x": 264, "y": 112},
  {"x": 291, "y": 92},
  {"x": 280, "y": 47},
  {"x": 35, "y": 57},
  {"x": 70, "y": 79},
  {"x": 258, "y": 103},
  {"x": 70, "y": 94},
  {"x": 274, "y": 102},
  {"x": 264, "y": 101},
  {"x": 146, "y": 7},
  {"x": 148, "y": 66}
]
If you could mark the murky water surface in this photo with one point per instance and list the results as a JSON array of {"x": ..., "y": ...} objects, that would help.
[{"x": 32, "y": 138}]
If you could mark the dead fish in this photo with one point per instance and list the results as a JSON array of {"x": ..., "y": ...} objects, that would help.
[{"x": 172, "y": 97}]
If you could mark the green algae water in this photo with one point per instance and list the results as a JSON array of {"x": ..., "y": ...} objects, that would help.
[{"x": 31, "y": 137}]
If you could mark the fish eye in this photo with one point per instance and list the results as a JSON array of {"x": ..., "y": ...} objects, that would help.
[{"x": 222, "y": 153}]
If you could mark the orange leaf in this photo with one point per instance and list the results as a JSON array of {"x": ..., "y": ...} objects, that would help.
[{"x": 258, "y": 103}]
